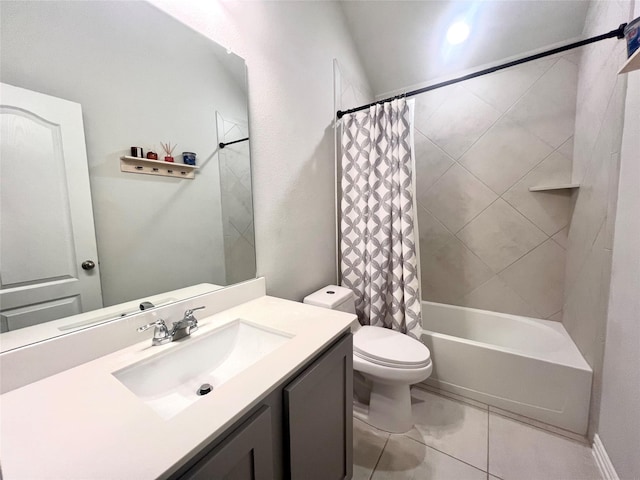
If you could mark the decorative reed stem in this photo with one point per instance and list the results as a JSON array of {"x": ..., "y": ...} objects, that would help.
[{"x": 168, "y": 149}]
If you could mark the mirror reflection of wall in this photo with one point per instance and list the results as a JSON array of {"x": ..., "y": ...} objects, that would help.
[
  {"x": 235, "y": 197},
  {"x": 143, "y": 78}
]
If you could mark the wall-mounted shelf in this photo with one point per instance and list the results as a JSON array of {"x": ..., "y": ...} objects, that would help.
[
  {"x": 156, "y": 167},
  {"x": 632, "y": 64},
  {"x": 564, "y": 186}
]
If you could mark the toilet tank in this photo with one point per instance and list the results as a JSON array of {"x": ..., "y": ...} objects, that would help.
[{"x": 334, "y": 298}]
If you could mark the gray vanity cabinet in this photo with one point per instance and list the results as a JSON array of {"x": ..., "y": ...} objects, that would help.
[
  {"x": 300, "y": 431},
  {"x": 319, "y": 417},
  {"x": 245, "y": 455}
]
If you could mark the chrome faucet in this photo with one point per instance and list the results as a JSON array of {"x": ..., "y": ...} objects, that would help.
[
  {"x": 186, "y": 326},
  {"x": 181, "y": 329}
]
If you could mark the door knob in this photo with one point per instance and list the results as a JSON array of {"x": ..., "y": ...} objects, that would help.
[{"x": 88, "y": 265}]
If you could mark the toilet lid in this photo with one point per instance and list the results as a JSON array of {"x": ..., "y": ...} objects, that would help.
[{"x": 390, "y": 348}]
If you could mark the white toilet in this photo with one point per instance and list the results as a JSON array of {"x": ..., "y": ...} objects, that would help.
[{"x": 385, "y": 364}]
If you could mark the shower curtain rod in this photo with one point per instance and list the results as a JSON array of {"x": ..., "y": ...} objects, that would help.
[
  {"x": 618, "y": 33},
  {"x": 222, "y": 144}
]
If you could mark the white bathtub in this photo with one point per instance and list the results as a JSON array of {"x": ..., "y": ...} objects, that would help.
[{"x": 524, "y": 365}]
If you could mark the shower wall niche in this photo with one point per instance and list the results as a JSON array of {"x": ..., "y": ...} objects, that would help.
[{"x": 486, "y": 241}]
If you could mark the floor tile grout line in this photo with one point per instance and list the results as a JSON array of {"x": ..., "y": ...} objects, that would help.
[
  {"x": 439, "y": 451},
  {"x": 488, "y": 439},
  {"x": 379, "y": 456}
]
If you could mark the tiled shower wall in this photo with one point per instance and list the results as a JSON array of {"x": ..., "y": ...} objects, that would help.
[
  {"x": 596, "y": 166},
  {"x": 486, "y": 241},
  {"x": 237, "y": 207},
  {"x": 347, "y": 92}
]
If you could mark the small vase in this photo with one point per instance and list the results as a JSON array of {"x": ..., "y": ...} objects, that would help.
[{"x": 168, "y": 159}]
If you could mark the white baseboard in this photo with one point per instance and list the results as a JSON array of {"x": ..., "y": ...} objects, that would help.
[{"x": 603, "y": 461}]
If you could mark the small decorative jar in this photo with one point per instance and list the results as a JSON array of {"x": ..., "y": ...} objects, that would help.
[
  {"x": 152, "y": 155},
  {"x": 168, "y": 159},
  {"x": 189, "y": 158}
]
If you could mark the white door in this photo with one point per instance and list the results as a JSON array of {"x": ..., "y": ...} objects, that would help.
[{"x": 46, "y": 216}]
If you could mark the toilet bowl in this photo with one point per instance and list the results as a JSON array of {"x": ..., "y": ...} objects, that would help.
[{"x": 385, "y": 363}]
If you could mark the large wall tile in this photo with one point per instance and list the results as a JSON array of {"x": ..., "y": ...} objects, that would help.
[
  {"x": 504, "y": 155},
  {"x": 432, "y": 234},
  {"x": 556, "y": 317},
  {"x": 502, "y": 89},
  {"x": 241, "y": 263},
  {"x": 431, "y": 164},
  {"x": 566, "y": 148},
  {"x": 451, "y": 272},
  {"x": 561, "y": 238},
  {"x": 538, "y": 278},
  {"x": 598, "y": 127},
  {"x": 586, "y": 303},
  {"x": 550, "y": 210},
  {"x": 427, "y": 103},
  {"x": 590, "y": 211},
  {"x": 548, "y": 108},
  {"x": 500, "y": 235},
  {"x": 459, "y": 122},
  {"x": 600, "y": 79},
  {"x": 457, "y": 197},
  {"x": 497, "y": 296}
]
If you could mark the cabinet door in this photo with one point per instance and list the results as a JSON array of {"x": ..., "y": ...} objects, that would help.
[
  {"x": 319, "y": 417},
  {"x": 245, "y": 455}
]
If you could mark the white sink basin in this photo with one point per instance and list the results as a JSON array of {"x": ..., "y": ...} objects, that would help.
[{"x": 169, "y": 382}]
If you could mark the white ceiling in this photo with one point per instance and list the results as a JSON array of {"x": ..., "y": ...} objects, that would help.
[{"x": 401, "y": 43}]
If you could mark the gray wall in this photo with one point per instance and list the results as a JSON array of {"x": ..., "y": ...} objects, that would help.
[
  {"x": 289, "y": 48},
  {"x": 619, "y": 425}
]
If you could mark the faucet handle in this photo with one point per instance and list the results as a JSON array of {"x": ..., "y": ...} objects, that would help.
[
  {"x": 189, "y": 313},
  {"x": 161, "y": 334},
  {"x": 158, "y": 323}
]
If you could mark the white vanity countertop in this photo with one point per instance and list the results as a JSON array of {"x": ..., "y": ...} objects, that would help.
[{"x": 84, "y": 423}]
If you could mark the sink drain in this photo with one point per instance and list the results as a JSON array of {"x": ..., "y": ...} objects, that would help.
[{"x": 204, "y": 389}]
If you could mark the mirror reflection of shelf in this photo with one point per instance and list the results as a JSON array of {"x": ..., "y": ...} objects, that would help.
[
  {"x": 156, "y": 167},
  {"x": 564, "y": 186},
  {"x": 632, "y": 64}
]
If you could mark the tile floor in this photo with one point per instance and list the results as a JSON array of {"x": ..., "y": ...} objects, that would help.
[{"x": 460, "y": 439}]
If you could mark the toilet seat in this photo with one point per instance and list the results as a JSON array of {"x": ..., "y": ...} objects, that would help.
[{"x": 382, "y": 346}]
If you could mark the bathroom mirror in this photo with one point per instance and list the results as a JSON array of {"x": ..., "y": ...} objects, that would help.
[{"x": 140, "y": 78}]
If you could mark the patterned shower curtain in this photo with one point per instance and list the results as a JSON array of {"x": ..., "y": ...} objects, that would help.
[{"x": 378, "y": 247}]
